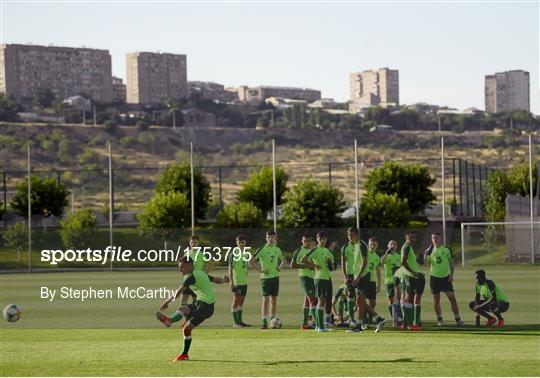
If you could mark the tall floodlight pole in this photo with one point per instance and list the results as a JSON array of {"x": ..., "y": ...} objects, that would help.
[
  {"x": 531, "y": 197},
  {"x": 111, "y": 202},
  {"x": 274, "y": 189},
  {"x": 443, "y": 187},
  {"x": 29, "y": 213},
  {"x": 192, "y": 190},
  {"x": 357, "y": 194}
]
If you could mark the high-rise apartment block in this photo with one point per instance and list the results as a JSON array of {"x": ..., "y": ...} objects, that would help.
[
  {"x": 153, "y": 78},
  {"x": 509, "y": 90},
  {"x": 66, "y": 71},
  {"x": 119, "y": 89},
  {"x": 370, "y": 87}
]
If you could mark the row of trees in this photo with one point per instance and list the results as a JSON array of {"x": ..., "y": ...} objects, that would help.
[{"x": 393, "y": 193}]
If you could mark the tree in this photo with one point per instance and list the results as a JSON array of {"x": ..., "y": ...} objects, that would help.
[
  {"x": 142, "y": 125},
  {"x": 313, "y": 204},
  {"x": 48, "y": 197},
  {"x": 164, "y": 215},
  {"x": 8, "y": 109},
  {"x": 381, "y": 210},
  {"x": 177, "y": 178},
  {"x": 240, "y": 215},
  {"x": 110, "y": 126},
  {"x": 410, "y": 182},
  {"x": 258, "y": 189},
  {"x": 78, "y": 229},
  {"x": 44, "y": 97},
  {"x": 16, "y": 236}
]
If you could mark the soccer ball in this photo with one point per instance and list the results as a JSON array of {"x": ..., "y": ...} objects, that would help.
[
  {"x": 275, "y": 323},
  {"x": 12, "y": 313}
]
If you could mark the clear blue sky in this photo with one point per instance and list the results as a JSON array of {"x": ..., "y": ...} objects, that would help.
[{"x": 442, "y": 50}]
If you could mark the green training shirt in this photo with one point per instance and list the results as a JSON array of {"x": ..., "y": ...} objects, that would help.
[
  {"x": 297, "y": 256},
  {"x": 348, "y": 252},
  {"x": 373, "y": 262},
  {"x": 490, "y": 289},
  {"x": 196, "y": 255},
  {"x": 269, "y": 257},
  {"x": 391, "y": 264},
  {"x": 239, "y": 266},
  {"x": 440, "y": 260},
  {"x": 408, "y": 252},
  {"x": 360, "y": 253},
  {"x": 200, "y": 283},
  {"x": 321, "y": 256}
]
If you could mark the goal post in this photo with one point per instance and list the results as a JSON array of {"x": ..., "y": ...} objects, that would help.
[{"x": 494, "y": 243}]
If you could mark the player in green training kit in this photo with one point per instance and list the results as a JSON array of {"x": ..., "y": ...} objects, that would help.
[
  {"x": 238, "y": 269},
  {"x": 441, "y": 271},
  {"x": 489, "y": 299},
  {"x": 349, "y": 254},
  {"x": 341, "y": 299},
  {"x": 374, "y": 284},
  {"x": 363, "y": 285},
  {"x": 197, "y": 312},
  {"x": 391, "y": 262},
  {"x": 322, "y": 261},
  {"x": 414, "y": 283},
  {"x": 269, "y": 255},
  {"x": 194, "y": 253},
  {"x": 307, "y": 279}
]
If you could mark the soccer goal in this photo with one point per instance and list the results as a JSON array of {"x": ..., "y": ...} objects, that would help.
[{"x": 496, "y": 243}]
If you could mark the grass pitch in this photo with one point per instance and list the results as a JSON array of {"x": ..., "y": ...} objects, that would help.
[{"x": 121, "y": 337}]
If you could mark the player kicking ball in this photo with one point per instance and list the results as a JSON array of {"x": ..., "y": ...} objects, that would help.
[
  {"x": 197, "y": 312},
  {"x": 490, "y": 299}
]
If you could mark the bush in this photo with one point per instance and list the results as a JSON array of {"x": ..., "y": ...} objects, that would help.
[
  {"x": 313, "y": 204},
  {"x": 143, "y": 125},
  {"x": 78, "y": 229},
  {"x": 497, "y": 187},
  {"x": 48, "y": 197},
  {"x": 164, "y": 215},
  {"x": 258, "y": 189},
  {"x": 9, "y": 109},
  {"x": 240, "y": 215},
  {"x": 177, "y": 178},
  {"x": 410, "y": 182},
  {"x": 16, "y": 237},
  {"x": 110, "y": 126},
  {"x": 384, "y": 211}
]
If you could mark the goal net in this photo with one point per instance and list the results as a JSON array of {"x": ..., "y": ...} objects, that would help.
[{"x": 496, "y": 243}]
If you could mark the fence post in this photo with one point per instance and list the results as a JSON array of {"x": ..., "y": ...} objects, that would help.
[
  {"x": 329, "y": 173},
  {"x": 454, "y": 180},
  {"x": 474, "y": 188},
  {"x": 481, "y": 189},
  {"x": 460, "y": 187},
  {"x": 467, "y": 187},
  {"x": 5, "y": 199},
  {"x": 220, "y": 192},
  {"x": 58, "y": 177}
]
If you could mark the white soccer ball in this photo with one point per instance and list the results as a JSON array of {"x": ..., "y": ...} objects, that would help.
[
  {"x": 275, "y": 323},
  {"x": 12, "y": 313}
]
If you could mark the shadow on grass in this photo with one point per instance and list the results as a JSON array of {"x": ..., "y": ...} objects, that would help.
[{"x": 274, "y": 363}]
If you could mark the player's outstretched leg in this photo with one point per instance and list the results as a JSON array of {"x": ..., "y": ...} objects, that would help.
[{"x": 188, "y": 327}]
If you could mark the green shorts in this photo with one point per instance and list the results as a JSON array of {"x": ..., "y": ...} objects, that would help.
[
  {"x": 240, "y": 290},
  {"x": 199, "y": 311},
  {"x": 270, "y": 286},
  {"x": 440, "y": 284},
  {"x": 414, "y": 285},
  {"x": 323, "y": 288},
  {"x": 390, "y": 290},
  {"x": 308, "y": 285}
]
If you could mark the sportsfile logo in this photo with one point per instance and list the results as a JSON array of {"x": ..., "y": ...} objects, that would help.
[{"x": 119, "y": 254}]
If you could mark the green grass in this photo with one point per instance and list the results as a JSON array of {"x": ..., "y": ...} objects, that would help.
[{"x": 121, "y": 338}]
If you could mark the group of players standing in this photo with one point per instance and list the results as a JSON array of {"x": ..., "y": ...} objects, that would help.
[{"x": 361, "y": 266}]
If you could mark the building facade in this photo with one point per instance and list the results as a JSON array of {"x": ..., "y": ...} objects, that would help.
[
  {"x": 153, "y": 78},
  {"x": 509, "y": 90},
  {"x": 66, "y": 71},
  {"x": 119, "y": 89},
  {"x": 261, "y": 93},
  {"x": 373, "y": 87},
  {"x": 208, "y": 90}
]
